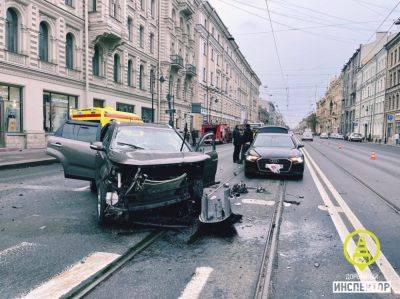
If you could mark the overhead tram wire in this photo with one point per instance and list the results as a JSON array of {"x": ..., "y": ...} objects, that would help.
[
  {"x": 321, "y": 35},
  {"x": 275, "y": 44}
]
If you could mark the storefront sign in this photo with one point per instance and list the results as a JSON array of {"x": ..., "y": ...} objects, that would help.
[{"x": 397, "y": 116}]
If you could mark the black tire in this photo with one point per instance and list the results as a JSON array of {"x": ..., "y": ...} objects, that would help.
[
  {"x": 299, "y": 177},
  {"x": 248, "y": 174},
  {"x": 93, "y": 187},
  {"x": 197, "y": 194},
  {"x": 101, "y": 205}
]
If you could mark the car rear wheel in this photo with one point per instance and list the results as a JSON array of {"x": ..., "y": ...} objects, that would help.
[
  {"x": 101, "y": 205},
  {"x": 93, "y": 187}
]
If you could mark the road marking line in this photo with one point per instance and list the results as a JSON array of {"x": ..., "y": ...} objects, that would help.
[
  {"x": 82, "y": 189},
  {"x": 258, "y": 202},
  {"x": 16, "y": 248},
  {"x": 382, "y": 262},
  {"x": 73, "y": 276},
  {"x": 341, "y": 228},
  {"x": 196, "y": 284}
]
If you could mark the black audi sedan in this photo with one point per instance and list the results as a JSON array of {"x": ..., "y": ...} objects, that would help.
[{"x": 274, "y": 154}]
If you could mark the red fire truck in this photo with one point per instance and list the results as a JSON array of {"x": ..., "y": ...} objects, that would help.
[{"x": 222, "y": 132}]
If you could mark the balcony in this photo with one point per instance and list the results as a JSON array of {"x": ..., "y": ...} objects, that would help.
[
  {"x": 186, "y": 8},
  {"x": 47, "y": 66},
  {"x": 15, "y": 58},
  {"x": 190, "y": 70},
  {"x": 176, "y": 62},
  {"x": 106, "y": 29}
]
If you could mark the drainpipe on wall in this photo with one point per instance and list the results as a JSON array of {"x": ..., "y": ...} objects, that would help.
[
  {"x": 159, "y": 65},
  {"x": 86, "y": 7}
]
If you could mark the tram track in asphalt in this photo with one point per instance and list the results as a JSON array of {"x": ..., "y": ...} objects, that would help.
[
  {"x": 94, "y": 281},
  {"x": 263, "y": 287},
  {"x": 385, "y": 200}
]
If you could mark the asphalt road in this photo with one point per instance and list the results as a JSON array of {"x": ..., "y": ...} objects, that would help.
[{"x": 48, "y": 230}]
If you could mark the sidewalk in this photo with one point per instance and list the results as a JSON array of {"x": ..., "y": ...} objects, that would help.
[{"x": 25, "y": 158}]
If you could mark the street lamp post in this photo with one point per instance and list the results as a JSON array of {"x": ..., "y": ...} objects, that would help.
[{"x": 152, "y": 83}]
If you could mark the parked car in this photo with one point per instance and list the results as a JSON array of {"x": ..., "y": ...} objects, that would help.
[
  {"x": 133, "y": 166},
  {"x": 333, "y": 136},
  {"x": 307, "y": 136},
  {"x": 324, "y": 136},
  {"x": 355, "y": 137},
  {"x": 339, "y": 136},
  {"x": 274, "y": 154}
]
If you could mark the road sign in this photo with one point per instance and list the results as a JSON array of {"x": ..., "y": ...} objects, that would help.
[
  {"x": 390, "y": 117},
  {"x": 170, "y": 111}
]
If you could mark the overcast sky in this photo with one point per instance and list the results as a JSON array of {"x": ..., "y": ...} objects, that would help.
[{"x": 330, "y": 32}]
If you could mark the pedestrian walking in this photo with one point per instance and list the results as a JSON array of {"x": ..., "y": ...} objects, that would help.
[
  {"x": 237, "y": 143},
  {"x": 246, "y": 140},
  {"x": 194, "y": 135}
]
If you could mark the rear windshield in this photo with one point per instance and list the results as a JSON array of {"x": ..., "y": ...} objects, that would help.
[
  {"x": 267, "y": 140},
  {"x": 273, "y": 130}
]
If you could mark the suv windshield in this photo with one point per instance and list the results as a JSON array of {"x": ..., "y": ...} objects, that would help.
[
  {"x": 268, "y": 140},
  {"x": 145, "y": 138}
]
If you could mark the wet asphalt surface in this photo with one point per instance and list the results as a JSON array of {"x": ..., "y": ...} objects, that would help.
[{"x": 55, "y": 219}]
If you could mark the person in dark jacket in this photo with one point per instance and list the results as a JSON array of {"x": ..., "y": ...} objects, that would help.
[
  {"x": 194, "y": 136},
  {"x": 237, "y": 143},
  {"x": 246, "y": 140}
]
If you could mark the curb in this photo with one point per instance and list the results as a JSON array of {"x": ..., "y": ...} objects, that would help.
[{"x": 28, "y": 163}]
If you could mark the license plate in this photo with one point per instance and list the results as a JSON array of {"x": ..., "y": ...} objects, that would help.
[{"x": 274, "y": 167}]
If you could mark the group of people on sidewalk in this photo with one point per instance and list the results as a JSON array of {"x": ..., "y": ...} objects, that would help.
[{"x": 241, "y": 143}]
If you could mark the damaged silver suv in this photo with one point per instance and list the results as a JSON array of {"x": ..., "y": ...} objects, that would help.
[{"x": 133, "y": 166}]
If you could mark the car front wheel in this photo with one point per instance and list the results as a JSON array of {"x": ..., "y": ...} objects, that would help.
[{"x": 101, "y": 205}]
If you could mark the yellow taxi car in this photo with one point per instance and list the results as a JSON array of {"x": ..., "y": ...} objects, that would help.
[{"x": 104, "y": 115}]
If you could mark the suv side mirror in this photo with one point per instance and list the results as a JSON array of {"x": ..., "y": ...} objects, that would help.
[
  {"x": 203, "y": 139},
  {"x": 97, "y": 146}
]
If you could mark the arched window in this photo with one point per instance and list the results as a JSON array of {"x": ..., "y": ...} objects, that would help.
[
  {"x": 178, "y": 89},
  {"x": 96, "y": 60},
  {"x": 12, "y": 30},
  {"x": 188, "y": 30},
  {"x": 129, "y": 25},
  {"x": 141, "y": 36},
  {"x": 43, "y": 42},
  {"x": 181, "y": 23},
  {"x": 114, "y": 9},
  {"x": 153, "y": 8},
  {"x": 129, "y": 74},
  {"x": 117, "y": 65},
  {"x": 69, "y": 51},
  {"x": 151, "y": 43},
  {"x": 141, "y": 77},
  {"x": 174, "y": 16},
  {"x": 142, "y": 5}
]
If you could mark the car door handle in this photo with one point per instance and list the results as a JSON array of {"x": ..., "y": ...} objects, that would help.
[{"x": 57, "y": 144}]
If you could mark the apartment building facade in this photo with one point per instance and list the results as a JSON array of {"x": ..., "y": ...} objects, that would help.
[
  {"x": 392, "y": 97},
  {"x": 138, "y": 56},
  {"x": 228, "y": 88}
]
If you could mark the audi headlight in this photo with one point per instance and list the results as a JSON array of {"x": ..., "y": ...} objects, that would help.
[
  {"x": 252, "y": 156},
  {"x": 297, "y": 159}
]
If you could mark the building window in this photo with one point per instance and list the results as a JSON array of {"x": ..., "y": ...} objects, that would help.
[
  {"x": 142, "y": 5},
  {"x": 114, "y": 9},
  {"x": 153, "y": 8},
  {"x": 98, "y": 103},
  {"x": 181, "y": 23},
  {"x": 96, "y": 61},
  {"x": 204, "y": 75},
  {"x": 173, "y": 16},
  {"x": 152, "y": 80},
  {"x": 117, "y": 66},
  {"x": 93, "y": 5},
  {"x": 56, "y": 109},
  {"x": 205, "y": 49},
  {"x": 151, "y": 43},
  {"x": 129, "y": 25},
  {"x": 141, "y": 36},
  {"x": 147, "y": 115},
  {"x": 43, "y": 42},
  {"x": 12, "y": 30},
  {"x": 141, "y": 77},
  {"x": 129, "y": 75},
  {"x": 69, "y": 3},
  {"x": 11, "y": 112},
  {"x": 69, "y": 51},
  {"x": 125, "y": 107}
]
